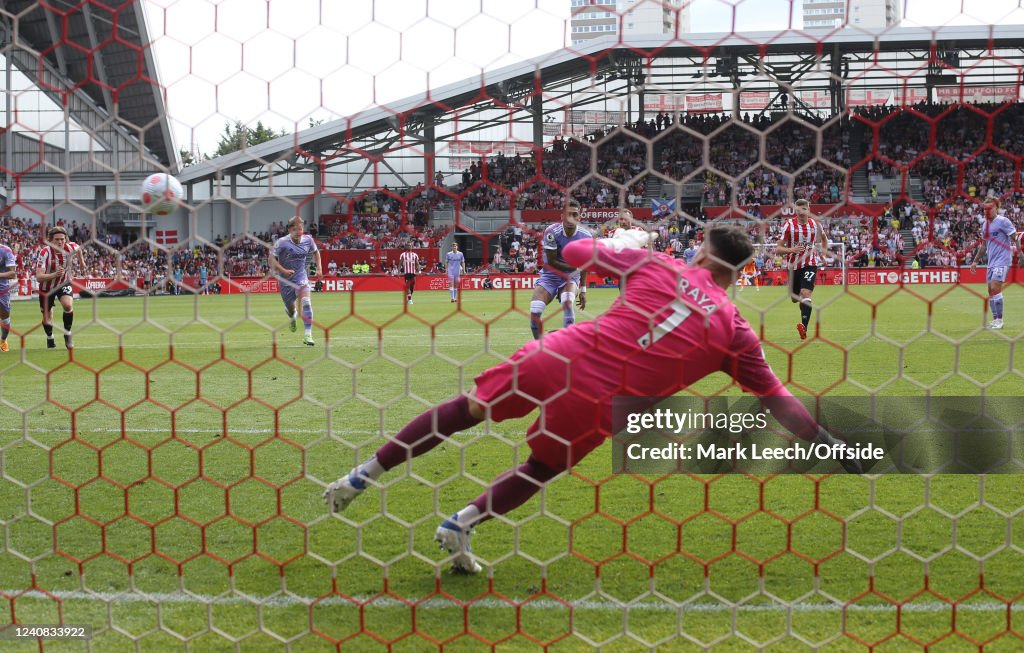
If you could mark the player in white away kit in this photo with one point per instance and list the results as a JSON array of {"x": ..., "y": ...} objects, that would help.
[
  {"x": 409, "y": 262},
  {"x": 998, "y": 236},
  {"x": 290, "y": 259},
  {"x": 54, "y": 272},
  {"x": 558, "y": 278},
  {"x": 455, "y": 263},
  {"x": 8, "y": 274},
  {"x": 805, "y": 245}
]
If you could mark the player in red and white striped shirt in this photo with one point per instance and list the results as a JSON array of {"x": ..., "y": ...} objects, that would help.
[
  {"x": 805, "y": 246},
  {"x": 409, "y": 262},
  {"x": 54, "y": 269}
]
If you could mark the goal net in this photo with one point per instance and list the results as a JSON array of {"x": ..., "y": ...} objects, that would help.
[{"x": 180, "y": 387}]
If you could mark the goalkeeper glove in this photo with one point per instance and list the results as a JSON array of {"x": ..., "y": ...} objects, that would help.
[
  {"x": 634, "y": 238},
  {"x": 851, "y": 465}
]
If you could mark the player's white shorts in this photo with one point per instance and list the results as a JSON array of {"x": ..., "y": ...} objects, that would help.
[{"x": 997, "y": 273}]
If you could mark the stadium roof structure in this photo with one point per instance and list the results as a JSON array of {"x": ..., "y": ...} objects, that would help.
[
  {"x": 606, "y": 72},
  {"x": 95, "y": 61}
]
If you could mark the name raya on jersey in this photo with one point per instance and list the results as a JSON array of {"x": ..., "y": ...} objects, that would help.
[
  {"x": 295, "y": 256},
  {"x": 671, "y": 327},
  {"x": 554, "y": 242}
]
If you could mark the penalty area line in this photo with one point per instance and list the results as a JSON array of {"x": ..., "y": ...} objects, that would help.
[
  {"x": 291, "y": 600},
  {"x": 345, "y": 339},
  {"x": 233, "y": 431}
]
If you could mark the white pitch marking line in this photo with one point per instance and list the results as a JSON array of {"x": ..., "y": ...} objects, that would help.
[
  {"x": 288, "y": 600},
  {"x": 338, "y": 339},
  {"x": 130, "y": 430}
]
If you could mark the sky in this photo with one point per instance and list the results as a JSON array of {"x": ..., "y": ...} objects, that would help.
[{"x": 286, "y": 62}]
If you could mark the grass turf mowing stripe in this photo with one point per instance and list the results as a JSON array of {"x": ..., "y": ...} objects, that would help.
[{"x": 287, "y": 600}]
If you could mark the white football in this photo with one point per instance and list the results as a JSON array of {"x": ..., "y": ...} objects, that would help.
[{"x": 161, "y": 193}]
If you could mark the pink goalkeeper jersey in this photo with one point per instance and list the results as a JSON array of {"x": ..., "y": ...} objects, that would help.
[{"x": 671, "y": 326}]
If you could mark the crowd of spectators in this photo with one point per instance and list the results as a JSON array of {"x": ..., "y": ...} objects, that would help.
[
  {"x": 140, "y": 264},
  {"x": 514, "y": 250},
  {"x": 104, "y": 255},
  {"x": 20, "y": 235},
  {"x": 969, "y": 168},
  {"x": 502, "y": 183},
  {"x": 749, "y": 160},
  {"x": 384, "y": 219},
  {"x": 608, "y": 167},
  {"x": 789, "y": 152},
  {"x": 754, "y": 159},
  {"x": 384, "y": 231}
]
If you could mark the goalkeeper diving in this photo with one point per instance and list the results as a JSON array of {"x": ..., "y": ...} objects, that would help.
[{"x": 672, "y": 325}]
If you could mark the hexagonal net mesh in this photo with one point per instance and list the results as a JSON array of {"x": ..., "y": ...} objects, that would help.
[{"x": 370, "y": 193}]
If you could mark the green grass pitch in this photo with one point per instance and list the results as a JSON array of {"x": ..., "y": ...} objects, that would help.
[{"x": 165, "y": 486}]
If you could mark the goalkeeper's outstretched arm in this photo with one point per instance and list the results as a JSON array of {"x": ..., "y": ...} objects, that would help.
[
  {"x": 613, "y": 256},
  {"x": 747, "y": 365}
]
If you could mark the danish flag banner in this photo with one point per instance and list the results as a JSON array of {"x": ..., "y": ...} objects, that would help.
[{"x": 167, "y": 237}]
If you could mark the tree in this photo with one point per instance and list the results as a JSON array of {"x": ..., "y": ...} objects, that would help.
[
  {"x": 189, "y": 158},
  {"x": 238, "y": 136}
]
